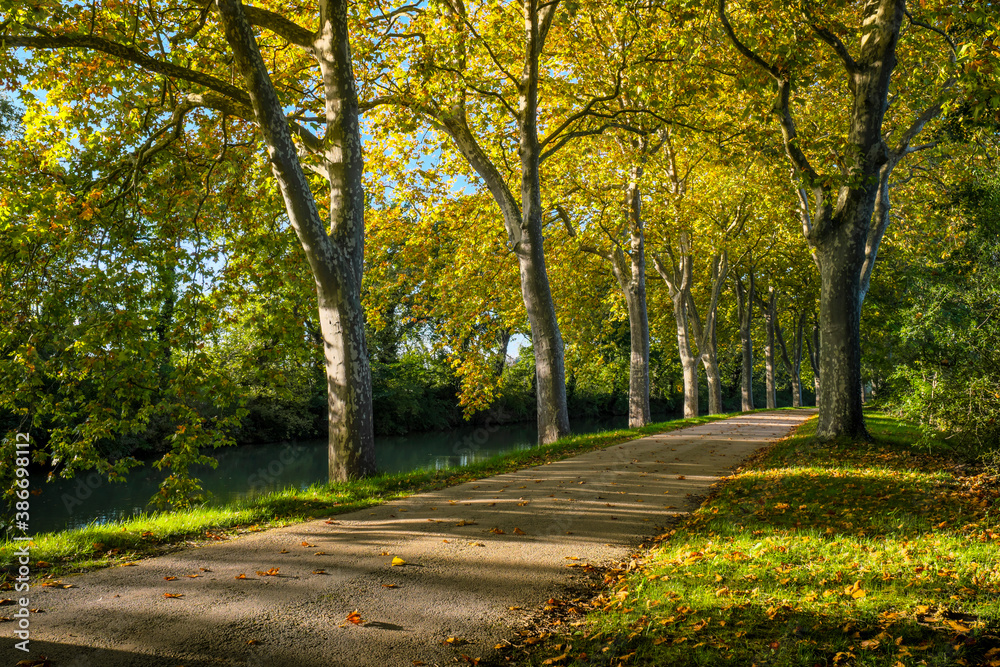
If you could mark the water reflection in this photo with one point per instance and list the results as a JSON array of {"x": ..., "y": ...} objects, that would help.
[{"x": 251, "y": 469}]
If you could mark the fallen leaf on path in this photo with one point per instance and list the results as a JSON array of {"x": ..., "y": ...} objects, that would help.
[
  {"x": 170, "y": 578},
  {"x": 253, "y": 642},
  {"x": 518, "y": 531},
  {"x": 497, "y": 531},
  {"x": 41, "y": 662},
  {"x": 417, "y": 663},
  {"x": 192, "y": 576},
  {"x": 204, "y": 569},
  {"x": 273, "y": 572},
  {"x": 681, "y": 477},
  {"x": 241, "y": 576},
  {"x": 463, "y": 522},
  {"x": 397, "y": 561},
  {"x": 319, "y": 571},
  {"x": 283, "y": 551},
  {"x": 306, "y": 544},
  {"x": 476, "y": 544},
  {"x": 129, "y": 564},
  {"x": 319, "y": 553},
  {"x": 355, "y": 618},
  {"x": 5, "y": 602},
  {"x": 389, "y": 586},
  {"x": 454, "y": 641},
  {"x": 331, "y": 521},
  {"x": 173, "y": 595}
]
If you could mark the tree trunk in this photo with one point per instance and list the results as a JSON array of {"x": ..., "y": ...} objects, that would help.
[
  {"x": 550, "y": 373},
  {"x": 336, "y": 259},
  {"x": 792, "y": 365},
  {"x": 501, "y": 360},
  {"x": 678, "y": 282},
  {"x": 813, "y": 349},
  {"x": 744, "y": 298},
  {"x": 770, "y": 315},
  {"x": 634, "y": 289},
  {"x": 840, "y": 262},
  {"x": 524, "y": 224},
  {"x": 705, "y": 336},
  {"x": 714, "y": 380}
]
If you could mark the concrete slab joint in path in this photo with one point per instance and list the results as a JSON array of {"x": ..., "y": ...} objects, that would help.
[{"x": 472, "y": 552}]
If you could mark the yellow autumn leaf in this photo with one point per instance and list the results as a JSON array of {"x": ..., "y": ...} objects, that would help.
[{"x": 397, "y": 561}]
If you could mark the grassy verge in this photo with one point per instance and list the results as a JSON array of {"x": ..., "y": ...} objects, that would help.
[
  {"x": 122, "y": 541},
  {"x": 848, "y": 554}
]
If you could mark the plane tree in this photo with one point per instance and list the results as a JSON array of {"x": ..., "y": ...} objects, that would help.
[{"x": 276, "y": 77}]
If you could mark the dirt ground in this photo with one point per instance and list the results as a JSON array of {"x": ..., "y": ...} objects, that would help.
[{"x": 478, "y": 557}]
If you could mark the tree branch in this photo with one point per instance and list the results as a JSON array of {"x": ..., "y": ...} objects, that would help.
[{"x": 131, "y": 55}]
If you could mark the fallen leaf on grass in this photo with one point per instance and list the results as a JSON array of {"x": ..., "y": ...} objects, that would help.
[
  {"x": 41, "y": 662},
  {"x": 957, "y": 627},
  {"x": 43, "y": 564},
  {"x": 556, "y": 660},
  {"x": 253, "y": 642},
  {"x": 173, "y": 595},
  {"x": 397, "y": 561},
  {"x": 130, "y": 564}
]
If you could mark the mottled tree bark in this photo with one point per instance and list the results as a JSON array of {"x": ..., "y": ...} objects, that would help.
[
  {"x": 793, "y": 364},
  {"x": 745, "y": 297},
  {"x": 336, "y": 258},
  {"x": 770, "y": 310},
  {"x": 522, "y": 220},
  {"x": 678, "y": 280}
]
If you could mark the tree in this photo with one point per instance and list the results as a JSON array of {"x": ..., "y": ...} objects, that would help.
[
  {"x": 334, "y": 248},
  {"x": 837, "y": 205},
  {"x": 620, "y": 241}
]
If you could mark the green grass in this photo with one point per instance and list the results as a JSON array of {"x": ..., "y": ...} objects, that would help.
[
  {"x": 122, "y": 541},
  {"x": 845, "y": 554}
]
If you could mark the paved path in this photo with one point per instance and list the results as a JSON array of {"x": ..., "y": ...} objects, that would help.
[{"x": 460, "y": 579}]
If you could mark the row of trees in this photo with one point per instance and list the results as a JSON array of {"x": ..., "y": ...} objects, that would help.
[{"x": 548, "y": 131}]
